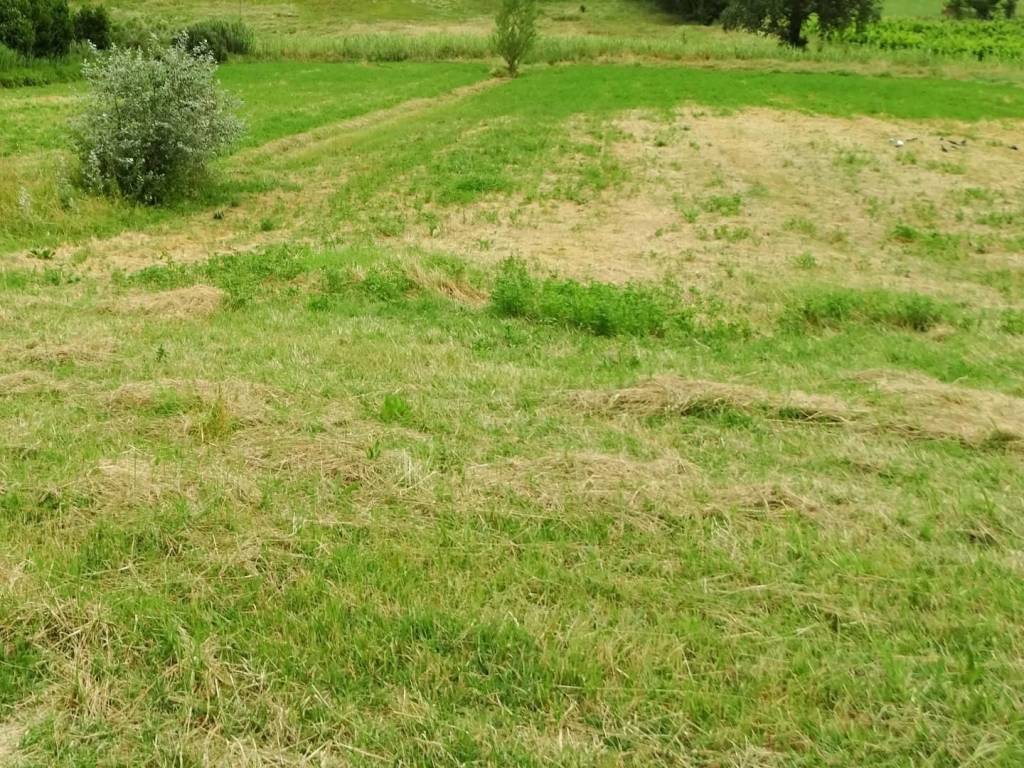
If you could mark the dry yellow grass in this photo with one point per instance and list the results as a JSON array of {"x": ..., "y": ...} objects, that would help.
[
  {"x": 668, "y": 394},
  {"x": 130, "y": 480},
  {"x": 191, "y": 303},
  {"x": 553, "y": 479},
  {"x": 916, "y": 405},
  {"x": 791, "y": 171},
  {"x": 11, "y": 735},
  {"x": 28, "y": 382},
  {"x": 280, "y": 451},
  {"x": 80, "y": 351},
  {"x": 923, "y": 406},
  {"x": 242, "y": 400}
]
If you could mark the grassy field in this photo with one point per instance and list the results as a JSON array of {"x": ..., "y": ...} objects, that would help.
[
  {"x": 332, "y": 16},
  {"x": 616, "y": 415}
]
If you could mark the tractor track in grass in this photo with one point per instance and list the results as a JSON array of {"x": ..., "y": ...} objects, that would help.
[
  {"x": 238, "y": 229},
  {"x": 324, "y": 134}
]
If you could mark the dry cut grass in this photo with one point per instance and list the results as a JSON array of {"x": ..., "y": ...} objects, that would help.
[
  {"x": 671, "y": 395},
  {"x": 925, "y": 407},
  {"x": 706, "y": 196},
  {"x": 191, "y": 303}
]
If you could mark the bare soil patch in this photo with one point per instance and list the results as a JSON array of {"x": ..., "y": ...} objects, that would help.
[
  {"x": 11, "y": 735},
  {"x": 192, "y": 239}
]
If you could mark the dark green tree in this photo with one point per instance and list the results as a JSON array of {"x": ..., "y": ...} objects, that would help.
[
  {"x": 980, "y": 9},
  {"x": 786, "y": 19},
  {"x": 53, "y": 28},
  {"x": 698, "y": 11},
  {"x": 92, "y": 24},
  {"x": 16, "y": 29}
]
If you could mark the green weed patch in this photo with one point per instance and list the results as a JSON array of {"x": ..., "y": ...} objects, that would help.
[{"x": 837, "y": 307}]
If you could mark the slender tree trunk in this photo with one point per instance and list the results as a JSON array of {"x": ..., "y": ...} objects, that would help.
[{"x": 796, "y": 24}]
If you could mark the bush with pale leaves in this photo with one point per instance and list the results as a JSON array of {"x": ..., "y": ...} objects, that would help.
[{"x": 152, "y": 122}]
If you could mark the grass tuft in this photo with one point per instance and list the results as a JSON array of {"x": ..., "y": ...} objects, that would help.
[
  {"x": 599, "y": 308},
  {"x": 835, "y": 308}
]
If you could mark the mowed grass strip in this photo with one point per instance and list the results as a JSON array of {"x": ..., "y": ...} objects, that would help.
[{"x": 342, "y": 511}]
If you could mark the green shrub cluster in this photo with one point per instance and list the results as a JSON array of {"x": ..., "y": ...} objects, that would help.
[
  {"x": 222, "y": 38},
  {"x": 515, "y": 31},
  {"x": 41, "y": 28},
  {"x": 600, "y": 308},
  {"x": 47, "y": 28},
  {"x": 999, "y": 39},
  {"x": 981, "y": 9},
  {"x": 787, "y": 20}
]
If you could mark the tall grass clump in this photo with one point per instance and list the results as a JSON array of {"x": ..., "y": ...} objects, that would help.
[
  {"x": 833, "y": 308},
  {"x": 599, "y": 308},
  {"x": 219, "y": 37},
  {"x": 151, "y": 123},
  {"x": 515, "y": 31},
  {"x": 8, "y": 58}
]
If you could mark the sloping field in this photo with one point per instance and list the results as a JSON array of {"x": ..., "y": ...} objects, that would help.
[{"x": 615, "y": 415}]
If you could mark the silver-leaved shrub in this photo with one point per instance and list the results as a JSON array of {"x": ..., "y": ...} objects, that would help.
[{"x": 152, "y": 122}]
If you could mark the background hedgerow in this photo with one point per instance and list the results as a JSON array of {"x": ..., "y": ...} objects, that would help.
[
  {"x": 41, "y": 28},
  {"x": 92, "y": 24}
]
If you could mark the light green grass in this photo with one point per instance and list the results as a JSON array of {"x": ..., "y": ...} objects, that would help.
[
  {"x": 912, "y": 9},
  {"x": 287, "y": 97},
  {"x": 276, "y": 100}
]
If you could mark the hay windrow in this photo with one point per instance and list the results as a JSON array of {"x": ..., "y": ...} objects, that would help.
[
  {"x": 326, "y": 455},
  {"x": 193, "y": 302},
  {"x": 244, "y": 401},
  {"x": 334, "y": 456},
  {"x": 28, "y": 383},
  {"x": 670, "y": 395},
  {"x": 132, "y": 479},
  {"x": 552, "y": 479},
  {"x": 769, "y": 500},
  {"x": 456, "y": 290},
  {"x": 925, "y": 407},
  {"x": 80, "y": 351}
]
